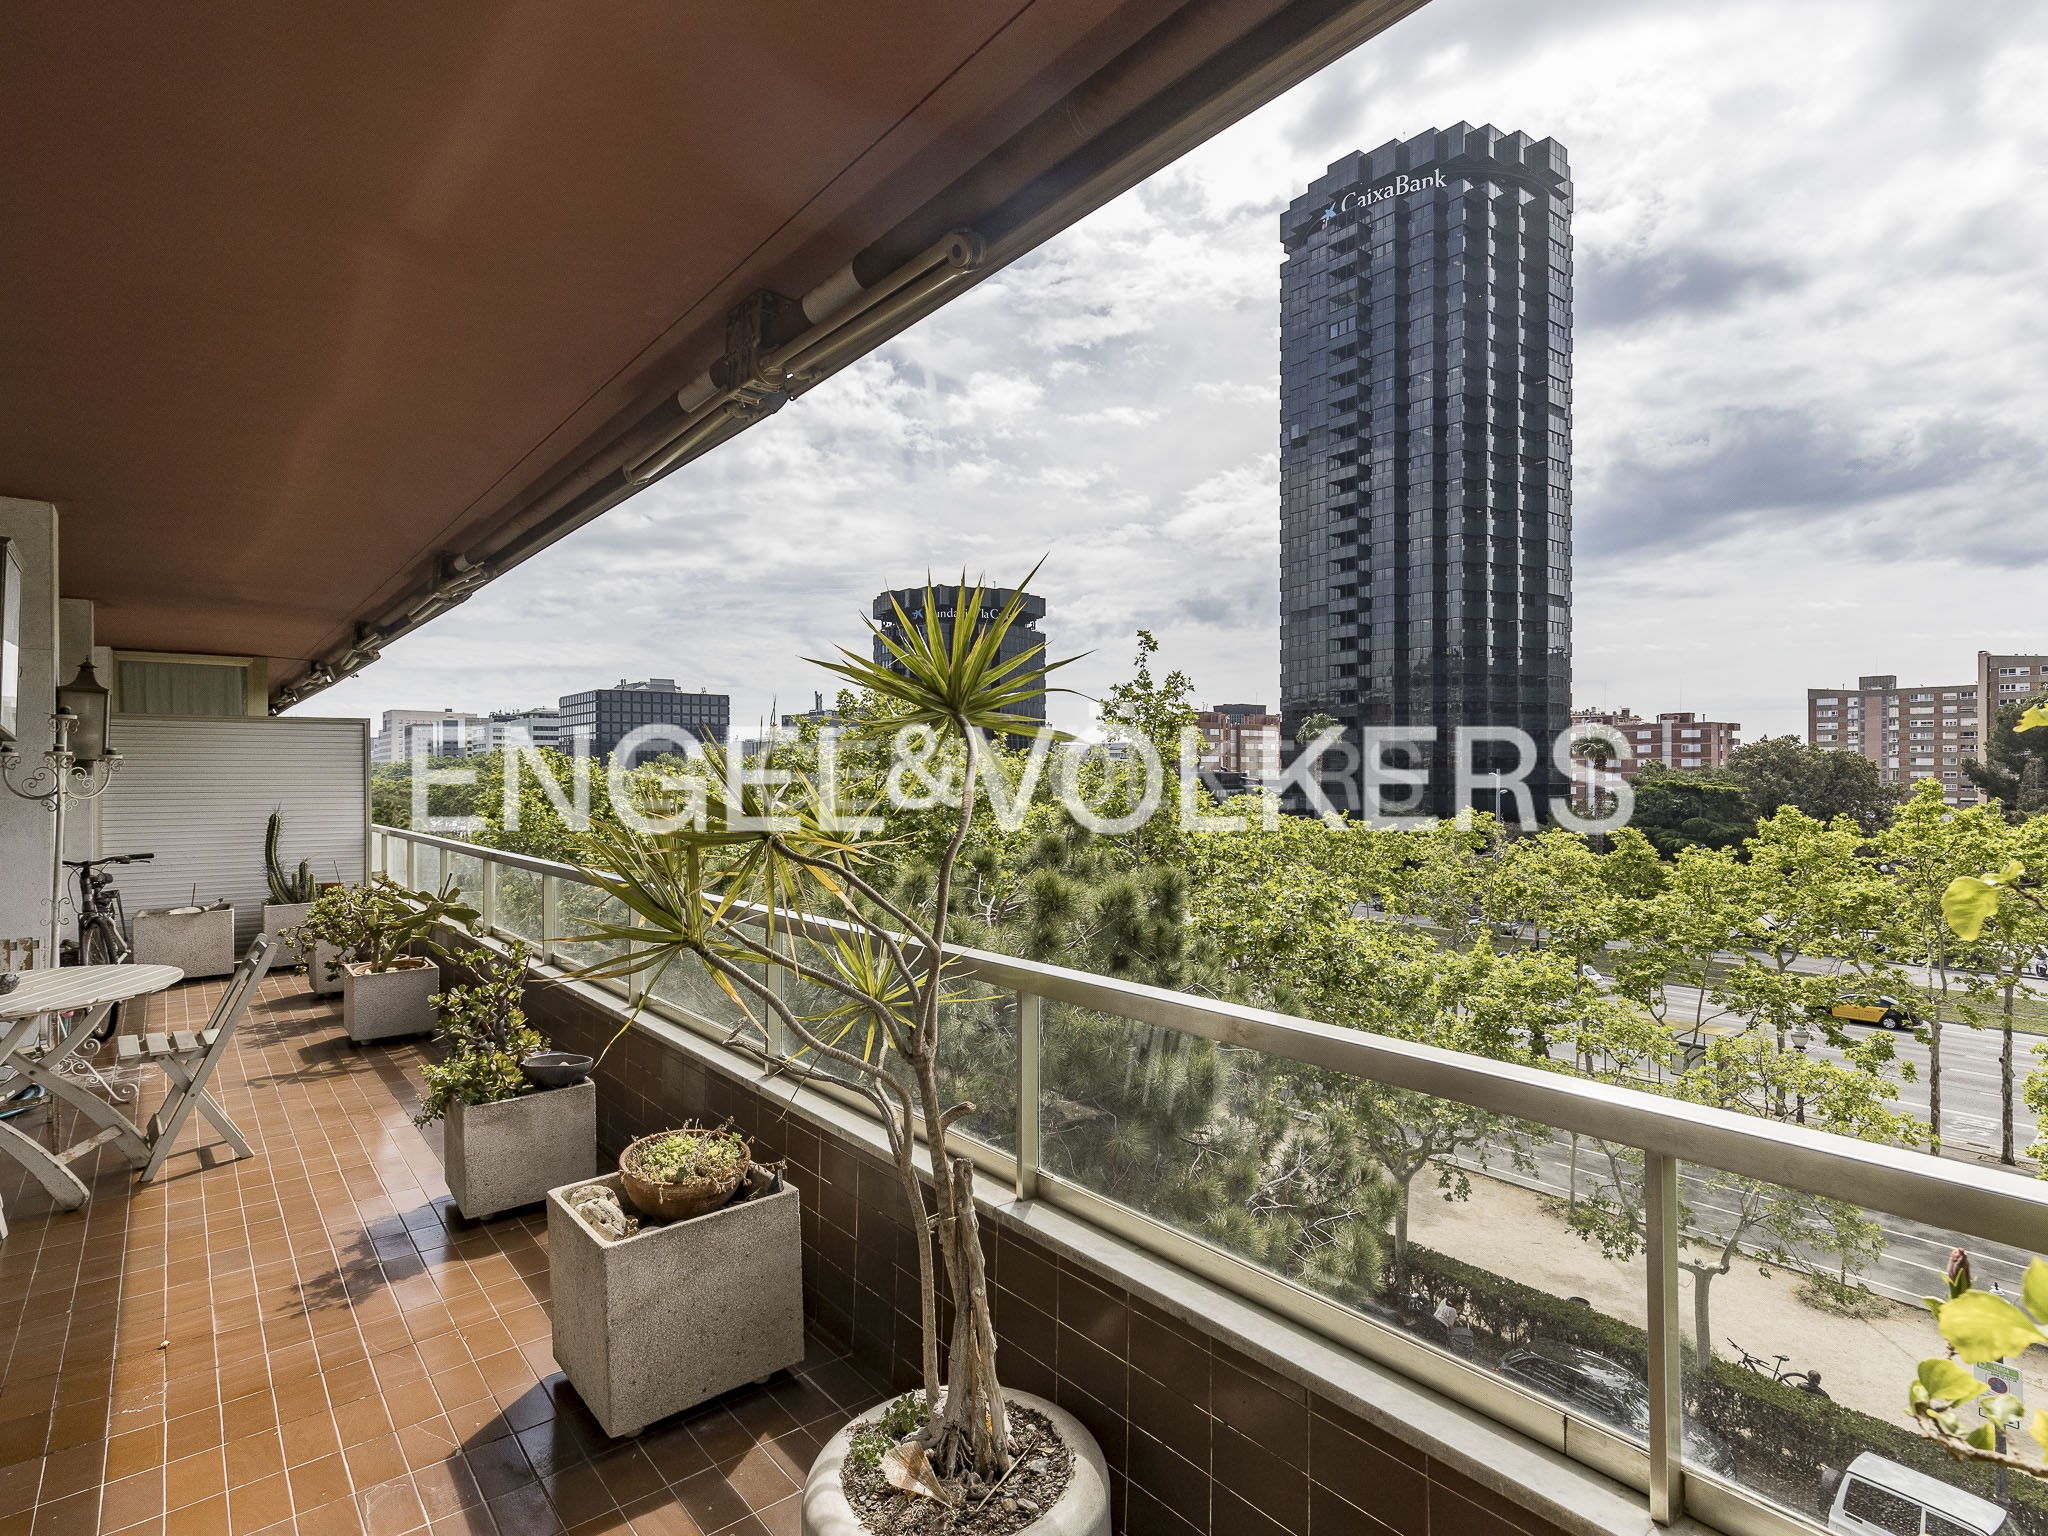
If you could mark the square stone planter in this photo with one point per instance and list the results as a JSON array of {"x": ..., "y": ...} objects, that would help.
[
  {"x": 278, "y": 916},
  {"x": 316, "y": 974},
  {"x": 673, "y": 1315},
  {"x": 375, "y": 1005},
  {"x": 500, "y": 1156},
  {"x": 198, "y": 943}
]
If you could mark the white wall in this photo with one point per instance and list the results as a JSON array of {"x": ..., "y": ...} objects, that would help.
[
  {"x": 25, "y": 827},
  {"x": 197, "y": 790}
]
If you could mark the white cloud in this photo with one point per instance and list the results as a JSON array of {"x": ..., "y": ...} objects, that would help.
[{"x": 1810, "y": 390}]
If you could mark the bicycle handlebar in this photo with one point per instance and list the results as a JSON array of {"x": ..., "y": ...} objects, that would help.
[{"x": 119, "y": 858}]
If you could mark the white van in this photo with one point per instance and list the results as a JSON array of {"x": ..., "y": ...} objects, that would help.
[{"x": 1878, "y": 1497}]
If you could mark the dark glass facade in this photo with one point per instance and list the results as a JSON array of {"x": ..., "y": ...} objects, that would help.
[
  {"x": 596, "y": 721},
  {"x": 1023, "y": 635},
  {"x": 1425, "y": 451}
]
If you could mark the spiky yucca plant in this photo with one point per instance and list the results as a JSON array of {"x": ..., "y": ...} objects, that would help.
[{"x": 728, "y": 877}]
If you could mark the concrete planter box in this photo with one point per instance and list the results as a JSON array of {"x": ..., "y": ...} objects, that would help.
[
  {"x": 1082, "y": 1508},
  {"x": 316, "y": 973},
  {"x": 198, "y": 943},
  {"x": 278, "y": 916},
  {"x": 664, "y": 1319},
  {"x": 508, "y": 1154},
  {"x": 375, "y": 1005}
]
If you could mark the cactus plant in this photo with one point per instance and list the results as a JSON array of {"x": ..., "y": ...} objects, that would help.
[{"x": 285, "y": 889}]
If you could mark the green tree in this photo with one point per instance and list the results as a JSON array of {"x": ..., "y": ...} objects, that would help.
[
  {"x": 1679, "y": 808},
  {"x": 2014, "y": 768},
  {"x": 1778, "y": 771}
]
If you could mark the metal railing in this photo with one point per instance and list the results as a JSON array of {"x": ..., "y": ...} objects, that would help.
[{"x": 1954, "y": 1197}]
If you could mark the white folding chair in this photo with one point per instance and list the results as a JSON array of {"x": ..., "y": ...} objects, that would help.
[{"x": 188, "y": 1058}]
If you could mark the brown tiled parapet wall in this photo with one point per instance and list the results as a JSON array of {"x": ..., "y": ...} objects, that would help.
[{"x": 1200, "y": 1437}]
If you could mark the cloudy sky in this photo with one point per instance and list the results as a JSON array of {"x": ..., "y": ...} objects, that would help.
[{"x": 1812, "y": 389}]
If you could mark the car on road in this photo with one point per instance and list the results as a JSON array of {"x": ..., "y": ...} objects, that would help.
[
  {"x": 1882, "y": 1012},
  {"x": 1876, "y": 1496},
  {"x": 1608, "y": 1391}
]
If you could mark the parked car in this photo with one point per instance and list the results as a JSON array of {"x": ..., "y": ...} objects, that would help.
[
  {"x": 1878, "y": 1497},
  {"x": 1608, "y": 1391}
]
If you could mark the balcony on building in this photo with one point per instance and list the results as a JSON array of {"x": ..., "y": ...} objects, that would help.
[{"x": 321, "y": 320}]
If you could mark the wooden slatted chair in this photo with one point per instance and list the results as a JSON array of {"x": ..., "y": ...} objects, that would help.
[{"x": 188, "y": 1058}]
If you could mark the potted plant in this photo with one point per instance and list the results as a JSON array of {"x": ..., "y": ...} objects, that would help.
[
  {"x": 291, "y": 891},
  {"x": 635, "y": 1347},
  {"x": 385, "y": 941},
  {"x": 721, "y": 889},
  {"x": 506, "y": 1141}
]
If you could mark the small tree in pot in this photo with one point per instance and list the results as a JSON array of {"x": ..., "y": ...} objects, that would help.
[
  {"x": 506, "y": 1143},
  {"x": 723, "y": 887},
  {"x": 385, "y": 941}
]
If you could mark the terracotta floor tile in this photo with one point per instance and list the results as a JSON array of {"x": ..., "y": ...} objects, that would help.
[
  {"x": 313, "y": 1343},
  {"x": 259, "y": 1505}
]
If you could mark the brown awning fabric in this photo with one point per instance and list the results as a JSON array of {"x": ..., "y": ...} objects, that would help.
[{"x": 307, "y": 308}]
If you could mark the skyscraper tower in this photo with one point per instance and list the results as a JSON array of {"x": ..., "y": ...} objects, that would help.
[{"x": 1425, "y": 451}]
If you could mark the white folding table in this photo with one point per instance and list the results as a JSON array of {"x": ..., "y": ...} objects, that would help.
[{"x": 88, "y": 991}]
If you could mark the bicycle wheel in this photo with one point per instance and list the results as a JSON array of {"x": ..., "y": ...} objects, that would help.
[{"x": 101, "y": 944}]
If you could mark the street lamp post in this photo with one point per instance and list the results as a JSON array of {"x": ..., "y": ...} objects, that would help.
[
  {"x": 60, "y": 778},
  {"x": 1802, "y": 1037}
]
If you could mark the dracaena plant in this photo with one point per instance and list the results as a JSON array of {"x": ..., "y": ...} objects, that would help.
[{"x": 729, "y": 886}]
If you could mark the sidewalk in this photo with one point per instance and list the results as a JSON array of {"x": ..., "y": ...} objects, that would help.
[{"x": 1866, "y": 1364}]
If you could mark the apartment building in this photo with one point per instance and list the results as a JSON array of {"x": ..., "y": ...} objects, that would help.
[
  {"x": 410, "y": 733},
  {"x": 1677, "y": 738},
  {"x": 1241, "y": 739},
  {"x": 1923, "y": 731}
]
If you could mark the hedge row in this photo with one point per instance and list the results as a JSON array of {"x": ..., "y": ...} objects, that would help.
[{"x": 1781, "y": 1437}]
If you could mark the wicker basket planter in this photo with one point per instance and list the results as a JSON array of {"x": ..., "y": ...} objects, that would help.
[
  {"x": 671, "y": 1316},
  {"x": 678, "y": 1201}
]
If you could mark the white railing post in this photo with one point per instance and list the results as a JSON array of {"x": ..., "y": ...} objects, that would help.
[
  {"x": 549, "y": 911},
  {"x": 412, "y": 864},
  {"x": 1667, "y": 1408},
  {"x": 1030, "y": 1015},
  {"x": 487, "y": 898}
]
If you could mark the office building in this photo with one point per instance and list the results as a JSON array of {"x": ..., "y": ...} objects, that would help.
[
  {"x": 1024, "y": 635},
  {"x": 1242, "y": 740},
  {"x": 1926, "y": 730},
  {"x": 1425, "y": 447},
  {"x": 596, "y": 721},
  {"x": 1675, "y": 738},
  {"x": 525, "y": 728},
  {"x": 410, "y": 733}
]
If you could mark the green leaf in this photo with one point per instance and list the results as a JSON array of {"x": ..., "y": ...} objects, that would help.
[
  {"x": 2003, "y": 1409},
  {"x": 2034, "y": 1290},
  {"x": 1983, "y": 1437},
  {"x": 1949, "y": 1381},
  {"x": 2037, "y": 1427},
  {"x": 1967, "y": 905},
  {"x": 1984, "y": 1327}
]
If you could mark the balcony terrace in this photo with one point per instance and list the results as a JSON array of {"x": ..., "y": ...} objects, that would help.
[{"x": 313, "y": 1339}]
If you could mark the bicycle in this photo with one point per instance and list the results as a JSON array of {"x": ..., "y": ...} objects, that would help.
[
  {"x": 102, "y": 921},
  {"x": 1778, "y": 1371}
]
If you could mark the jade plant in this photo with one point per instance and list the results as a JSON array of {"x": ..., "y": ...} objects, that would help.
[
  {"x": 727, "y": 888},
  {"x": 483, "y": 1025},
  {"x": 681, "y": 1156},
  {"x": 381, "y": 924}
]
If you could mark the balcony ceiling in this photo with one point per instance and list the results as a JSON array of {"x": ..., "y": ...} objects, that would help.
[{"x": 298, "y": 298}]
